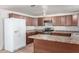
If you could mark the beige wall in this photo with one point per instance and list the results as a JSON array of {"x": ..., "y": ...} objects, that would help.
[{"x": 1, "y": 34}]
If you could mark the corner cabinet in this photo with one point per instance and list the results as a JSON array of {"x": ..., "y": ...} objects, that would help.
[{"x": 31, "y": 21}]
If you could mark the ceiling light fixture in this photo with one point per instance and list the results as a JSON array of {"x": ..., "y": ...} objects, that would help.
[
  {"x": 44, "y": 9},
  {"x": 32, "y": 5}
]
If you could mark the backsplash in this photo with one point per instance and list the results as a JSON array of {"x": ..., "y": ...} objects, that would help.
[
  {"x": 67, "y": 28},
  {"x": 64, "y": 28},
  {"x": 30, "y": 27}
]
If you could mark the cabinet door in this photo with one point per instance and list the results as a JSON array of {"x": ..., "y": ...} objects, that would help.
[
  {"x": 56, "y": 21},
  {"x": 29, "y": 40},
  {"x": 31, "y": 21},
  {"x": 40, "y": 21},
  {"x": 53, "y": 21},
  {"x": 74, "y": 20},
  {"x": 63, "y": 20},
  {"x": 34, "y": 21},
  {"x": 28, "y": 21},
  {"x": 69, "y": 20}
]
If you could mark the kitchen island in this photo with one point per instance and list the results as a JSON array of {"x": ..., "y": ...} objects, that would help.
[{"x": 45, "y": 43}]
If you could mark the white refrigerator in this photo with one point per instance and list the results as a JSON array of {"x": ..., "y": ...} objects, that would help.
[{"x": 14, "y": 34}]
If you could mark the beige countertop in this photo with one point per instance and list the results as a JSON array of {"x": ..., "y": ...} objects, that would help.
[
  {"x": 62, "y": 31},
  {"x": 65, "y": 39}
]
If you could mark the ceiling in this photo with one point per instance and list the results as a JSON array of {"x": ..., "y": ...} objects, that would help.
[{"x": 37, "y": 10}]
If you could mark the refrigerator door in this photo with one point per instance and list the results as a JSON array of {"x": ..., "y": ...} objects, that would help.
[
  {"x": 8, "y": 34},
  {"x": 20, "y": 35}
]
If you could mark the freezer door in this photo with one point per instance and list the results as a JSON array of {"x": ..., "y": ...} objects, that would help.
[{"x": 20, "y": 35}]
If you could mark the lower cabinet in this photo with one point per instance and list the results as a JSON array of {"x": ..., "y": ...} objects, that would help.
[
  {"x": 29, "y": 40},
  {"x": 61, "y": 34}
]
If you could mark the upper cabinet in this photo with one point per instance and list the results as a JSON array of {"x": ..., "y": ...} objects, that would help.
[
  {"x": 74, "y": 20},
  {"x": 63, "y": 20},
  {"x": 40, "y": 22},
  {"x": 67, "y": 20},
  {"x": 31, "y": 21},
  {"x": 56, "y": 20},
  {"x": 34, "y": 21},
  {"x": 28, "y": 21},
  {"x": 12, "y": 15}
]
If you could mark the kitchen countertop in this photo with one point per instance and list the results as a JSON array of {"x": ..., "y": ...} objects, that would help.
[
  {"x": 64, "y": 31},
  {"x": 65, "y": 39},
  {"x": 34, "y": 31}
]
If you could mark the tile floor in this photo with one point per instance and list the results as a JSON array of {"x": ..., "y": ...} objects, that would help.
[{"x": 28, "y": 49}]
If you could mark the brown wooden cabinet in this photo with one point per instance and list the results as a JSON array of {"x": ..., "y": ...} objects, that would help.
[
  {"x": 61, "y": 34},
  {"x": 28, "y": 21},
  {"x": 28, "y": 40},
  {"x": 31, "y": 21},
  {"x": 12, "y": 15},
  {"x": 53, "y": 21},
  {"x": 63, "y": 20},
  {"x": 40, "y": 22},
  {"x": 66, "y": 20},
  {"x": 69, "y": 20},
  {"x": 74, "y": 20},
  {"x": 56, "y": 20},
  {"x": 34, "y": 21}
]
